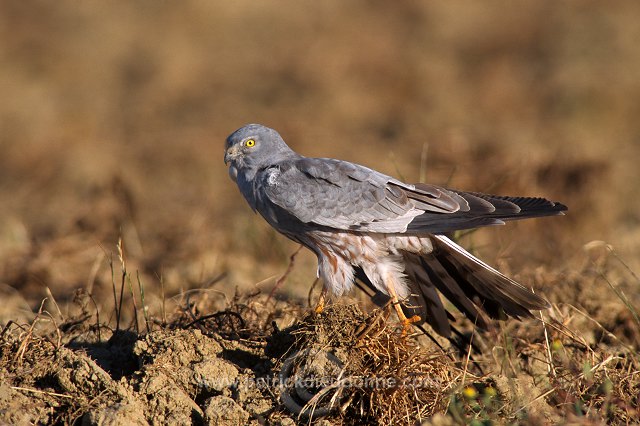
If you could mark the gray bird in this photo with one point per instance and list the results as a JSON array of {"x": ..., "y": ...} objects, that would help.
[{"x": 389, "y": 234}]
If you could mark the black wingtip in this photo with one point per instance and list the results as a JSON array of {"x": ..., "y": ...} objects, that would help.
[{"x": 559, "y": 207}]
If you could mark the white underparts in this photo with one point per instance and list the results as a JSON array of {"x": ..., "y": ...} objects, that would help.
[
  {"x": 409, "y": 243},
  {"x": 388, "y": 273},
  {"x": 379, "y": 256},
  {"x": 336, "y": 273}
]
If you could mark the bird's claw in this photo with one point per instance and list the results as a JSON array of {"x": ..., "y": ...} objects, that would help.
[
  {"x": 322, "y": 300},
  {"x": 407, "y": 323}
]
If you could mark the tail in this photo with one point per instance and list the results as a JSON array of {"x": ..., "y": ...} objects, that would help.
[{"x": 476, "y": 289}]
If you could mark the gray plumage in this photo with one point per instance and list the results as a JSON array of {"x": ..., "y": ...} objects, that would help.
[{"x": 387, "y": 233}]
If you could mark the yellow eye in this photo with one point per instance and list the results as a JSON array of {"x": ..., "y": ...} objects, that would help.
[{"x": 250, "y": 143}]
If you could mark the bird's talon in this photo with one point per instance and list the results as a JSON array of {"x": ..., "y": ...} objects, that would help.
[
  {"x": 322, "y": 300},
  {"x": 407, "y": 323},
  {"x": 413, "y": 319}
]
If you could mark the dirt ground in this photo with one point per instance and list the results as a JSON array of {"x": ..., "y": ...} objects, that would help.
[{"x": 137, "y": 286}]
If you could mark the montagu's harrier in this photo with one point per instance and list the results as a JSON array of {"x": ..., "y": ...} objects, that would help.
[{"x": 389, "y": 234}]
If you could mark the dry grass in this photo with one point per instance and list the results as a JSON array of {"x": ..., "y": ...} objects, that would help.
[{"x": 375, "y": 374}]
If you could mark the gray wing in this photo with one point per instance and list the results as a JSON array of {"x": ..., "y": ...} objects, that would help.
[{"x": 348, "y": 196}]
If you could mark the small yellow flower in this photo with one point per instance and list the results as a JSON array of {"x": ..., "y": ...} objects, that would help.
[
  {"x": 556, "y": 345},
  {"x": 490, "y": 391},
  {"x": 470, "y": 392}
]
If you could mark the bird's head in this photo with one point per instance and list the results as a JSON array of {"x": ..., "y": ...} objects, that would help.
[{"x": 253, "y": 147}]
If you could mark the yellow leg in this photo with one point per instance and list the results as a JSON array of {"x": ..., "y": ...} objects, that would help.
[
  {"x": 406, "y": 322},
  {"x": 321, "y": 300}
]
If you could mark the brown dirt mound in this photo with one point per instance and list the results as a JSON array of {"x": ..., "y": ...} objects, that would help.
[
  {"x": 223, "y": 369},
  {"x": 363, "y": 369}
]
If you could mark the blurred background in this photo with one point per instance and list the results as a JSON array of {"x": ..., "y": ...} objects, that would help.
[{"x": 114, "y": 114}]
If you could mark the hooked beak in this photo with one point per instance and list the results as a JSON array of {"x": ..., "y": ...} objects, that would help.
[{"x": 231, "y": 154}]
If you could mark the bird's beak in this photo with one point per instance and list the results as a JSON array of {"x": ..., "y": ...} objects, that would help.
[{"x": 231, "y": 154}]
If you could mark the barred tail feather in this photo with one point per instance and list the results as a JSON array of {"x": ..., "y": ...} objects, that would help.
[{"x": 476, "y": 289}]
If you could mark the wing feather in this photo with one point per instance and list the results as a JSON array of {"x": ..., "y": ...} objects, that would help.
[{"x": 347, "y": 196}]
